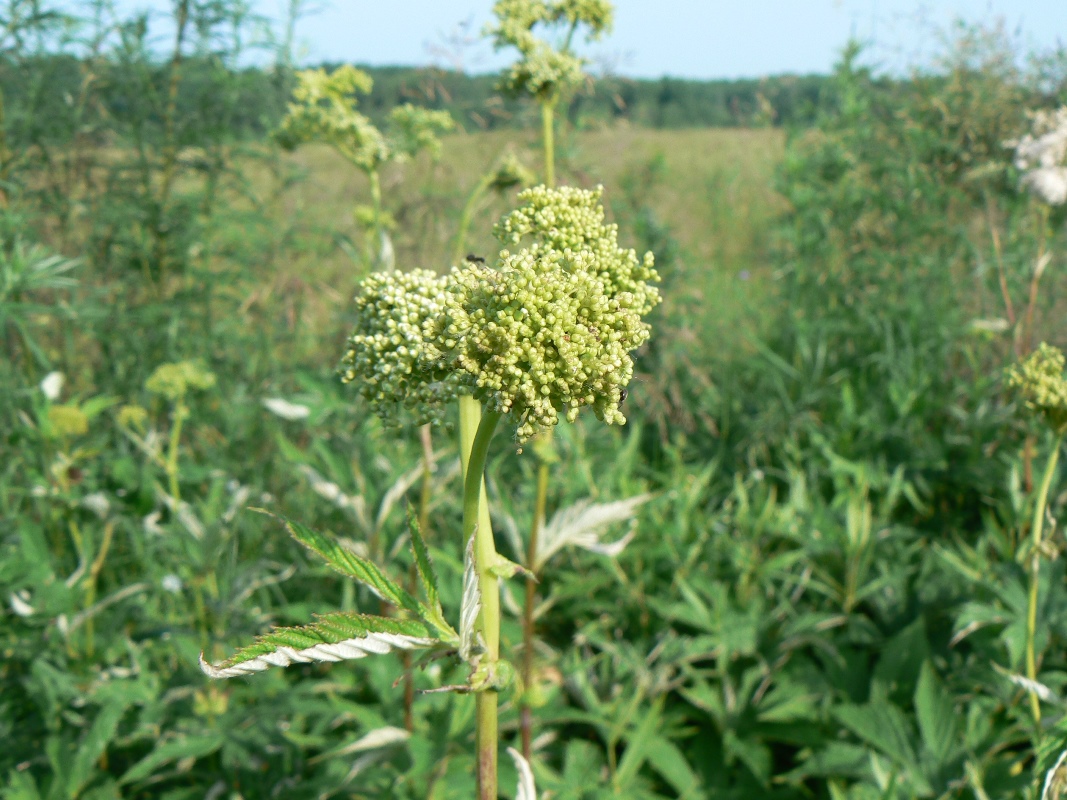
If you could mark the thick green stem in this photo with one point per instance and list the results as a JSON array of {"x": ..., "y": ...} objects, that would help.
[
  {"x": 1035, "y": 571},
  {"x": 549, "y": 141},
  {"x": 528, "y": 628},
  {"x": 474, "y": 447}
]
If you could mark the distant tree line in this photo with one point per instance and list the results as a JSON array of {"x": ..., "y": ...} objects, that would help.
[
  {"x": 663, "y": 103},
  {"x": 43, "y": 89}
]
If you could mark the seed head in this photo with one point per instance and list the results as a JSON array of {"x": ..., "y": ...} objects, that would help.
[{"x": 1041, "y": 383}]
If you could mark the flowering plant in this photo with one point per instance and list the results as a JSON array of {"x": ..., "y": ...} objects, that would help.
[{"x": 545, "y": 331}]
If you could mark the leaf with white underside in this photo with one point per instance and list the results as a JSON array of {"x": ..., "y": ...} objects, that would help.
[
  {"x": 1054, "y": 781},
  {"x": 339, "y": 636},
  {"x": 582, "y": 525},
  {"x": 349, "y": 563},
  {"x": 1043, "y": 692},
  {"x": 526, "y": 790},
  {"x": 472, "y": 606},
  {"x": 377, "y": 739},
  {"x": 395, "y": 492}
]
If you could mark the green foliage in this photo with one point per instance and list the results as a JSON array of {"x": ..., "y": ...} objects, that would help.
[{"x": 825, "y": 594}]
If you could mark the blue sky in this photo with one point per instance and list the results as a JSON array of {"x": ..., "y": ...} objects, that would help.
[{"x": 684, "y": 38}]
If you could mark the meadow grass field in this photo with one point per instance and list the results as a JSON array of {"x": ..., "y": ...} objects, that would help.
[
  {"x": 820, "y": 559},
  {"x": 713, "y": 189}
]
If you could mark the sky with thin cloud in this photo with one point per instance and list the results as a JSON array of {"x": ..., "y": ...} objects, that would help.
[{"x": 682, "y": 38}]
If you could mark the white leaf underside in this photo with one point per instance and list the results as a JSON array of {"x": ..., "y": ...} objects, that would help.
[
  {"x": 1043, "y": 692},
  {"x": 472, "y": 605},
  {"x": 526, "y": 790},
  {"x": 582, "y": 525},
  {"x": 1047, "y": 792},
  {"x": 371, "y": 644}
]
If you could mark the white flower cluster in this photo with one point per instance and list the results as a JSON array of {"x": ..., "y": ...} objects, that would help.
[
  {"x": 546, "y": 331},
  {"x": 1042, "y": 156}
]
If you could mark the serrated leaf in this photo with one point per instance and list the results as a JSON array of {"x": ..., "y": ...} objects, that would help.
[
  {"x": 526, "y": 789},
  {"x": 582, "y": 525},
  {"x": 423, "y": 564},
  {"x": 348, "y": 563},
  {"x": 471, "y": 607},
  {"x": 430, "y": 611},
  {"x": 338, "y": 636}
]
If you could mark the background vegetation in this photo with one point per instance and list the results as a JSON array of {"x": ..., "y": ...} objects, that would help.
[{"x": 826, "y": 596}]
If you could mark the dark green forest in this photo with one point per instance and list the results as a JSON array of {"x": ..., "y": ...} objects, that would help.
[{"x": 39, "y": 85}]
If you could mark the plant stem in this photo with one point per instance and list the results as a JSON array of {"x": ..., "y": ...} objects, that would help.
[
  {"x": 180, "y": 412},
  {"x": 425, "y": 495},
  {"x": 1035, "y": 568},
  {"x": 90, "y": 587},
  {"x": 468, "y": 214},
  {"x": 375, "y": 249},
  {"x": 548, "y": 141},
  {"x": 1039, "y": 269},
  {"x": 476, "y": 523},
  {"x": 528, "y": 627}
]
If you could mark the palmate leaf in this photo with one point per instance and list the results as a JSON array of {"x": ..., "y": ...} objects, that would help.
[
  {"x": 348, "y": 563},
  {"x": 337, "y": 636}
]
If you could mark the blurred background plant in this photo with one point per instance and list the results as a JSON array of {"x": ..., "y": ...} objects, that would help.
[{"x": 827, "y": 594}]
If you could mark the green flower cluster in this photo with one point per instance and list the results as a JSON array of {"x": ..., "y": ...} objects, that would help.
[
  {"x": 388, "y": 351},
  {"x": 174, "y": 381},
  {"x": 570, "y": 220},
  {"x": 547, "y": 331},
  {"x": 1040, "y": 381},
  {"x": 324, "y": 109},
  {"x": 544, "y": 71}
]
